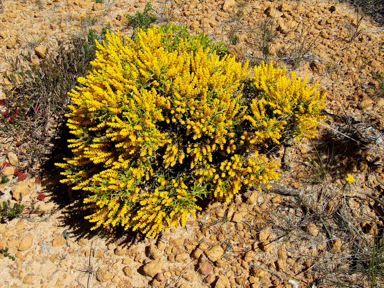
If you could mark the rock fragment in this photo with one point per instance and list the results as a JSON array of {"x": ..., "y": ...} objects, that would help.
[
  {"x": 264, "y": 235},
  {"x": 160, "y": 277},
  {"x": 230, "y": 212},
  {"x": 3, "y": 243},
  {"x": 153, "y": 252},
  {"x": 197, "y": 253},
  {"x": 380, "y": 103},
  {"x": 127, "y": 271},
  {"x": 26, "y": 242},
  {"x": 220, "y": 212},
  {"x": 257, "y": 272},
  {"x": 214, "y": 253},
  {"x": 249, "y": 256},
  {"x": 220, "y": 263},
  {"x": 317, "y": 67},
  {"x": 103, "y": 275},
  {"x": 167, "y": 275},
  {"x": 266, "y": 246},
  {"x": 273, "y": 13},
  {"x": 181, "y": 257},
  {"x": 28, "y": 280},
  {"x": 335, "y": 246},
  {"x": 11, "y": 43},
  {"x": 282, "y": 254},
  {"x": 189, "y": 276},
  {"x": 60, "y": 241},
  {"x": 283, "y": 27},
  {"x": 41, "y": 51},
  {"x": 161, "y": 246},
  {"x": 237, "y": 217},
  {"x": 46, "y": 206},
  {"x": 153, "y": 267},
  {"x": 252, "y": 198},
  {"x": 312, "y": 229},
  {"x": 285, "y": 8},
  {"x": 120, "y": 251},
  {"x": 98, "y": 7},
  {"x": 205, "y": 268},
  {"x": 210, "y": 279},
  {"x": 228, "y": 4},
  {"x": 222, "y": 282},
  {"x": 281, "y": 265},
  {"x": 179, "y": 241},
  {"x": 8, "y": 171},
  {"x": 240, "y": 280},
  {"x": 366, "y": 104},
  {"x": 21, "y": 188},
  {"x": 12, "y": 157},
  {"x": 203, "y": 246},
  {"x": 13, "y": 242}
]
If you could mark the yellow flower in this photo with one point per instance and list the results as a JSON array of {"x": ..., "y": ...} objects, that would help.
[
  {"x": 349, "y": 178},
  {"x": 81, "y": 15},
  {"x": 120, "y": 118}
]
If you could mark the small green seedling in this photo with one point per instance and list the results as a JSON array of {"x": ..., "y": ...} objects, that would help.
[
  {"x": 4, "y": 251},
  {"x": 9, "y": 212},
  {"x": 143, "y": 19},
  {"x": 4, "y": 179}
]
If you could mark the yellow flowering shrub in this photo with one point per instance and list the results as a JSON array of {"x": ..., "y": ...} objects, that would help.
[
  {"x": 283, "y": 106},
  {"x": 161, "y": 122}
]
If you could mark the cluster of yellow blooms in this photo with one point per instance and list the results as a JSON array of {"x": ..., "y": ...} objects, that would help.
[
  {"x": 286, "y": 105},
  {"x": 349, "y": 178},
  {"x": 235, "y": 172},
  {"x": 157, "y": 128}
]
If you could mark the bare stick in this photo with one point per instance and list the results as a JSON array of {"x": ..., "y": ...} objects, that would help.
[
  {"x": 373, "y": 198},
  {"x": 281, "y": 190}
]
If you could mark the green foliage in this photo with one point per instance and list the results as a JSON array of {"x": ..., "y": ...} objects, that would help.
[
  {"x": 4, "y": 179},
  {"x": 366, "y": 262},
  {"x": 163, "y": 121},
  {"x": 374, "y": 267},
  {"x": 9, "y": 212},
  {"x": 379, "y": 78},
  {"x": 236, "y": 17},
  {"x": 4, "y": 251},
  {"x": 355, "y": 31},
  {"x": 104, "y": 30},
  {"x": 233, "y": 39},
  {"x": 266, "y": 33},
  {"x": 322, "y": 166},
  {"x": 142, "y": 20},
  {"x": 180, "y": 33},
  {"x": 86, "y": 21},
  {"x": 99, "y": 1}
]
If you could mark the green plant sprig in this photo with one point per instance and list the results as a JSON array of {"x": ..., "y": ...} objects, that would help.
[{"x": 9, "y": 212}]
